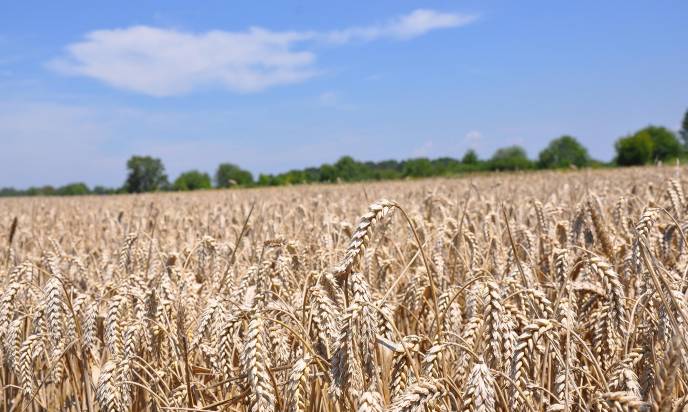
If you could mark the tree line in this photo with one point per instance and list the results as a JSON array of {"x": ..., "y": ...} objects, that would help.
[{"x": 147, "y": 174}]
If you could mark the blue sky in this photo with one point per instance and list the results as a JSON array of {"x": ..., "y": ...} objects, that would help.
[{"x": 279, "y": 85}]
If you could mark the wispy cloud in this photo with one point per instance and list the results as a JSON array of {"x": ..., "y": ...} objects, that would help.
[
  {"x": 417, "y": 23},
  {"x": 473, "y": 139},
  {"x": 165, "y": 62}
]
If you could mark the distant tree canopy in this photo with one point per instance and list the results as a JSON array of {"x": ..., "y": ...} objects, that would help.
[
  {"x": 349, "y": 170},
  {"x": 445, "y": 166},
  {"x": 146, "y": 174},
  {"x": 46, "y": 190},
  {"x": 73, "y": 189},
  {"x": 192, "y": 180},
  {"x": 563, "y": 152},
  {"x": 10, "y": 191},
  {"x": 666, "y": 145},
  {"x": 420, "y": 167},
  {"x": 102, "y": 190},
  {"x": 510, "y": 158},
  {"x": 229, "y": 174},
  {"x": 633, "y": 150},
  {"x": 684, "y": 130},
  {"x": 646, "y": 146},
  {"x": 470, "y": 157}
]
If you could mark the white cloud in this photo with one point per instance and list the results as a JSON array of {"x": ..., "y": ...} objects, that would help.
[
  {"x": 417, "y": 23},
  {"x": 165, "y": 62},
  {"x": 473, "y": 139}
]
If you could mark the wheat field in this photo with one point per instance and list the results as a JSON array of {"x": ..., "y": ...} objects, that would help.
[{"x": 552, "y": 291}]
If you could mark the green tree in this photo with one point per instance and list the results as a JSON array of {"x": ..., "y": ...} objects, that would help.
[
  {"x": 634, "y": 150},
  {"x": 470, "y": 157},
  {"x": 421, "y": 167},
  {"x": 229, "y": 174},
  {"x": 264, "y": 180},
  {"x": 10, "y": 191},
  {"x": 563, "y": 152},
  {"x": 328, "y": 173},
  {"x": 445, "y": 166},
  {"x": 192, "y": 180},
  {"x": 510, "y": 158},
  {"x": 40, "y": 191},
  {"x": 102, "y": 190},
  {"x": 312, "y": 174},
  {"x": 684, "y": 130},
  {"x": 666, "y": 145},
  {"x": 647, "y": 145},
  {"x": 293, "y": 177},
  {"x": 146, "y": 174},
  {"x": 386, "y": 170},
  {"x": 73, "y": 189},
  {"x": 350, "y": 170}
]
